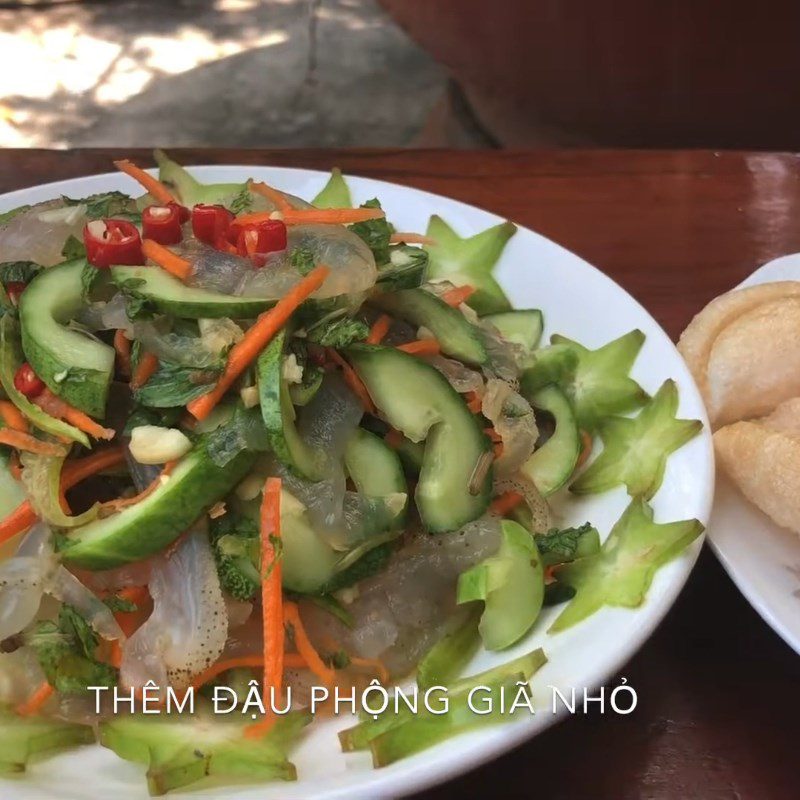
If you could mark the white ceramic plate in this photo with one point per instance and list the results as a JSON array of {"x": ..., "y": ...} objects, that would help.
[
  {"x": 578, "y": 301},
  {"x": 762, "y": 558}
]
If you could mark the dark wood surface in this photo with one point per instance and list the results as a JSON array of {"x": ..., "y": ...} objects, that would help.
[{"x": 719, "y": 692}]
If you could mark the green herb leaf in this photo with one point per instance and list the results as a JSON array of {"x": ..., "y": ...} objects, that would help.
[
  {"x": 18, "y": 272},
  {"x": 236, "y": 546},
  {"x": 339, "y": 333},
  {"x": 621, "y": 573},
  {"x": 7, "y": 216},
  {"x": 120, "y": 604},
  {"x": 635, "y": 451},
  {"x": 241, "y": 202},
  {"x": 375, "y": 232},
  {"x": 559, "y": 546},
  {"x": 73, "y": 248},
  {"x": 302, "y": 259},
  {"x": 337, "y": 660},
  {"x": 175, "y": 385},
  {"x": 105, "y": 205}
]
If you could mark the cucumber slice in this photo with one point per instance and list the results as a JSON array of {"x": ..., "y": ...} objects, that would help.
[
  {"x": 24, "y": 737},
  {"x": 171, "y": 296},
  {"x": 10, "y": 360},
  {"x": 73, "y": 366},
  {"x": 416, "y": 399},
  {"x": 373, "y": 466},
  {"x": 278, "y": 414},
  {"x": 190, "y": 191},
  {"x": 470, "y": 261},
  {"x": 522, "y": 327},
  {"x": 442, "y": 664},
  {"x": 458, "y": 338},
  {"x": 150, "y": 525},
  {"x": 308, "y": 562},
  {"x": 511, "y": 584},
  {"x": 551, "y": 466}
]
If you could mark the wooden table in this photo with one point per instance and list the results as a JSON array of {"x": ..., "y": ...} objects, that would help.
[{"x": 719, "y": 692}]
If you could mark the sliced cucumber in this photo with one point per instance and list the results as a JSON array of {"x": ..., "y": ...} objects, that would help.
[
  {"x": 156, "y": 521},
  {"x": 374, "y": 467},
  {"x": 171, "y": 296},
  {"x": 457, "y": 336},
  {"x": 551, "y": 466},
  {"x": 308, "y": 562},
  {"x": 511, "y": 584},
  {"x": 278, "y": 414},
  {"x": 522, "y": 327},
  {"x": 417, "y": 400},
  {"x": 73, "y": 366},
  {"x": 11, "y": 359}
]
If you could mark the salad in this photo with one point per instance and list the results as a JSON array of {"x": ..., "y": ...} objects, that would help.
[{"x": 247, "y": 440}]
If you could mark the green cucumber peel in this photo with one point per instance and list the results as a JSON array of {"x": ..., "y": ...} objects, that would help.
[
  {"x": 448, "y": 657},
  {"x": 635, "y": 450},
  {"x": 470, "y": 261},
  {"x": 621, "y": 573}
]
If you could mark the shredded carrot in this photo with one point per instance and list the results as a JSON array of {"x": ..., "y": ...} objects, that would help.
[
  {"x": 118, "y": 503},
  {"x": 277, "y": 198},
  {"x": 493, "y": 434},
  {"x": 14, "y": 467},
  {"x": 411, "y": 238},
  {"x": 291, "y": 616},
  {"x": 373, "y": 664},
  {"x": 129, "y": 621},
  {"x": 153, "y": 185},
  {"x": 272, "y": 611},
  {"x": 122, "y": 346},
  {"x": 56, "y": 407},
  {"x": 166, "y": 259},
  {"x": 353, "y": 381},
  {"x": 36, "y": 700},
  {"x": 379, "y": 329},
  {"x": 245, "y": 351},
  {"x": 586, "y": 450},
  {"x": 393, "y": 438},
  {"x": 497, "y": 449},
  {"x": 148, "y": 364},
  {"x": 323, "y": 216},
  {"x": 12, "y": 416},
  {"x": 505, "y": 502},
  {"x": 474, "y": 403},
  {"x": 457, "y": 295},
  {"x": 23, "y": 516},
  {"x": 421, "y": 347},
  {"x": 28, "y": 443},
  {"x": 254, "y": 661}
]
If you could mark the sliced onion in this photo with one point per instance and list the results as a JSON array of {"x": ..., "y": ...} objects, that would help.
[
  {"x": 189, "y": 625},
  {"x": 26, "y": 237},
  {"x": 23, "y": 579},
  {"x": 41, "y": 476},
  {"x": 541, "y": 517},
  {"x": 64, "y": 586}
]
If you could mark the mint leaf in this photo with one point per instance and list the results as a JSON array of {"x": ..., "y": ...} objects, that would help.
[
  {"x": 73, "y": 248},
  {"x": 18, "y": 272},
  {"x": 375, "y": 233},
  {"x": 339, "y": 333},
  {"x": 302, "y": 259}
]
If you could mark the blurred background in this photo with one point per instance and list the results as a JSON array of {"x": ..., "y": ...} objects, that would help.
[{"x": 457, "y": 73}]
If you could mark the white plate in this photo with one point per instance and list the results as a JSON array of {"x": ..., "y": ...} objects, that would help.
[
  {"x": 762, "y": 558},
  {"x": 578, "y": 301}
]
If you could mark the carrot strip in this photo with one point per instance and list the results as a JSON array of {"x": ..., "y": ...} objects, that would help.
[
  {"x": 56, "y": 407},
  {"x": 586, "y": 450},
  {"x": 255, "y": 660},
  {"x": 411, "y": 238},
  {"x": 421, "y": 347},
  {"x": 457, "y": 295},
  {"x": 291, "y": 616},
  {"x": 493, "y": 434},
  {"x": 498, "y": 449},
  {"x": 118, "y": 503},
  {"x": 24, "y": 441},
  {"x": 393, "y": 438},
  {"x": 374, "y": 664},
  {"x": 122, "y": 346},
  {"x": 272, "y": 611},
  {"x": 23, "y": 516},
  {"x": 13, "y": 417},
  {"x": 148, "y": 364},
  {"x": 257, "y": 338},
  {"x": 166, "y": 259},
  {"x": 474, "y": 403},
  {"x": 379, "y": 329},
  {"x": 145, "y": 179},
  {"x": 36, "y": 700},
  {"x": 353, "y": 381},
  {"x": 505, "y": 502},
  {"x": 14, "y": 467},
  {"x": 273, "y": 195},
  {"x": 323, "y": 216}
]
